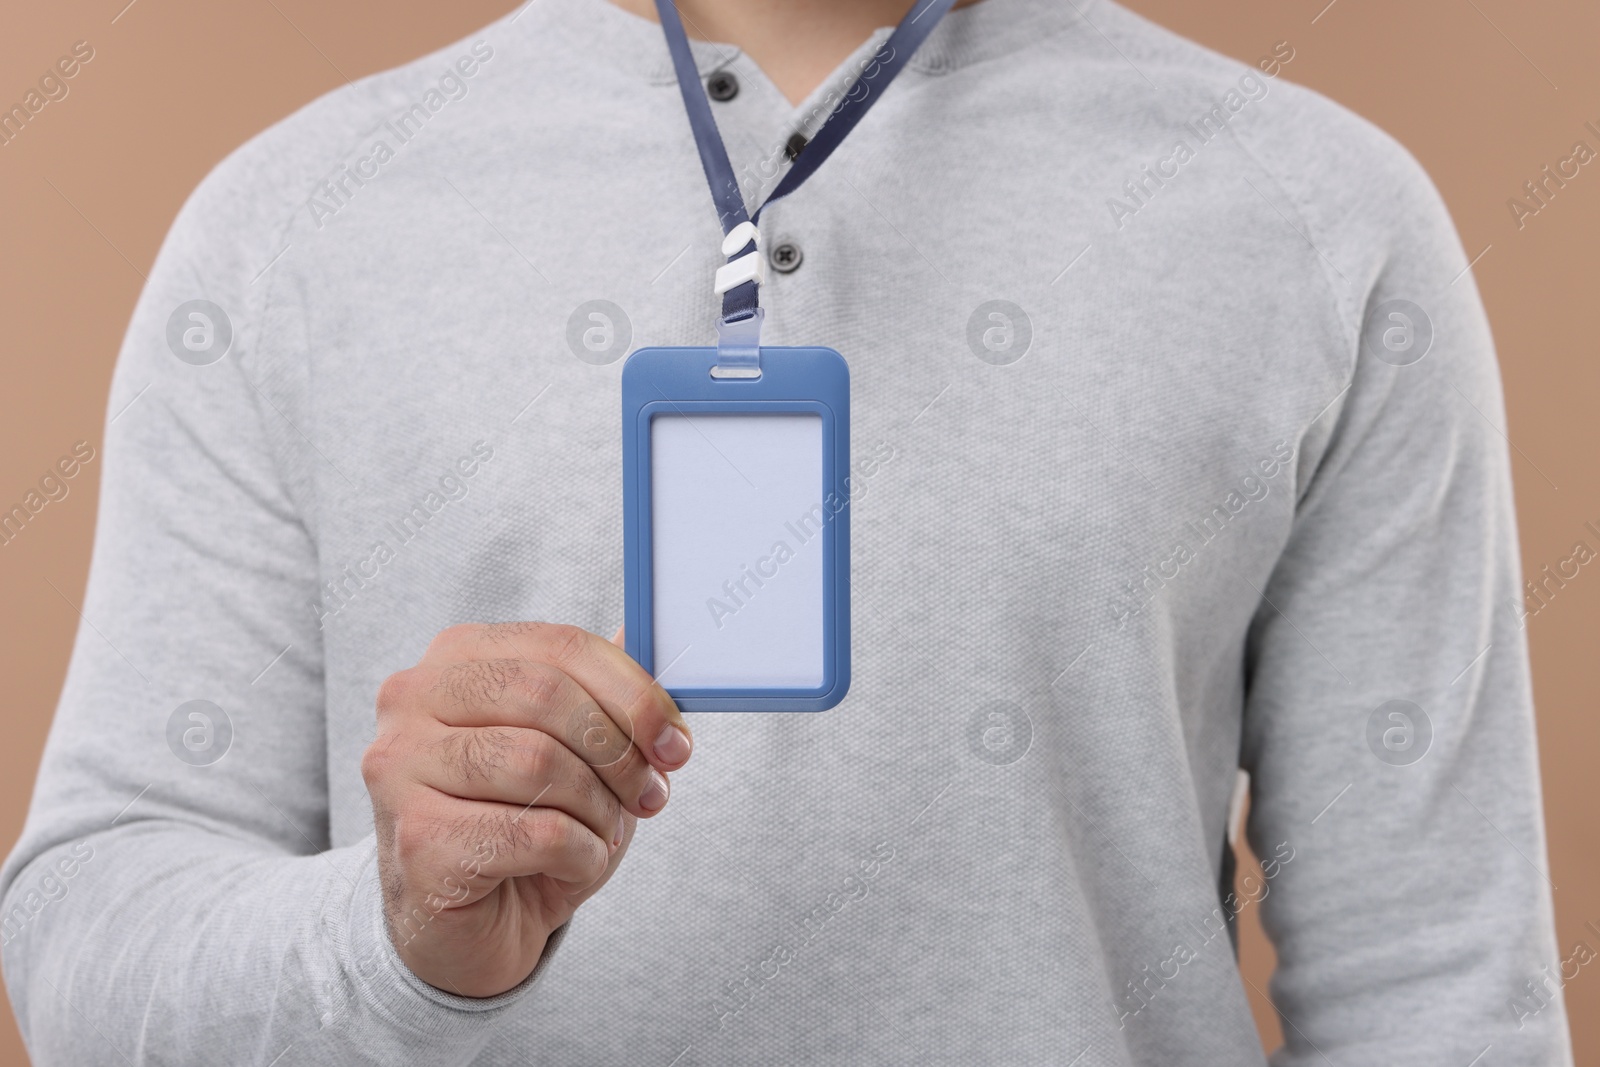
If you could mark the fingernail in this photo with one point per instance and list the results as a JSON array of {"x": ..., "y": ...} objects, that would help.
[
  {"x": 654, "y": 797},
  {"x": 616, "y": 838},
  {"x": 672, "y": 747}
]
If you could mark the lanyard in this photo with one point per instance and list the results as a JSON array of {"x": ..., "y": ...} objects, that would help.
[{"x": 739, "y": 279}]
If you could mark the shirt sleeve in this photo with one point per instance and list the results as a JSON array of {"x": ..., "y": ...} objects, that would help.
[
  {"x": 173, "y": 897},
  {"x": 1389, "y": 727}
]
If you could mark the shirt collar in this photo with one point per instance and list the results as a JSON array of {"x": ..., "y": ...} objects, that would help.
[{"x": 985, "y": 30}]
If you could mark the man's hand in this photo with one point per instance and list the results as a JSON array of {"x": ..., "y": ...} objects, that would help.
[{"x": 507, "y": 772}]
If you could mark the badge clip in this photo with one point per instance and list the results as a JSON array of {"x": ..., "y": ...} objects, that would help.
[{"x": 739, "y": 346}]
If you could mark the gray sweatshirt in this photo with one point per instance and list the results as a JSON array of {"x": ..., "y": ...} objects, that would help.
[{"x": 1181, "y": 449}]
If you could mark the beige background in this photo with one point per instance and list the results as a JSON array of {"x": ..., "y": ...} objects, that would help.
[{"x": 1484, "y": 92}]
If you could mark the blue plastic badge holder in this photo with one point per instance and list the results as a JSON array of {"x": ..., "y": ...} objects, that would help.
[{"x": 737, "y": 526}]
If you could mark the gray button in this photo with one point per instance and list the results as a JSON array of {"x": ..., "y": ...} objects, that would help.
[
  {"x": 793, "y": 146},
  {"x": 785, "y": 257},
  {"x": 722, "y": 86}
]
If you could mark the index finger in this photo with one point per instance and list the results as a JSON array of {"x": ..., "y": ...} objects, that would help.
[{"x": 622, "y": 688}]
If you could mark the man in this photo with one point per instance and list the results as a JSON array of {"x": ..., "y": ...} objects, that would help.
[{"x": 1173, "y": 415}]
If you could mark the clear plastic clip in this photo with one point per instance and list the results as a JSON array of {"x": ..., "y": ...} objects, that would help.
[{"x": 739, "y": 346}]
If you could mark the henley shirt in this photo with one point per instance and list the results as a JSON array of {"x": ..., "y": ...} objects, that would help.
[{"x": 1177, "y": 450}]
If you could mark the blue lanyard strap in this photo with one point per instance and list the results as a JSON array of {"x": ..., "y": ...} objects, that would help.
[{"x": 740, "y": 328}]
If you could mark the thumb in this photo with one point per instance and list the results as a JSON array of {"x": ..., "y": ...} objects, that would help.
[{"x": 616, "y": 638}]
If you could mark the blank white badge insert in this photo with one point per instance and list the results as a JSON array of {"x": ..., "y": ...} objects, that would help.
[{"x": 737, "y": 562}]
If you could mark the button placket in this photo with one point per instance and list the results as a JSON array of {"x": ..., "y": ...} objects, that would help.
[{"x": 743, "y": 105}]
